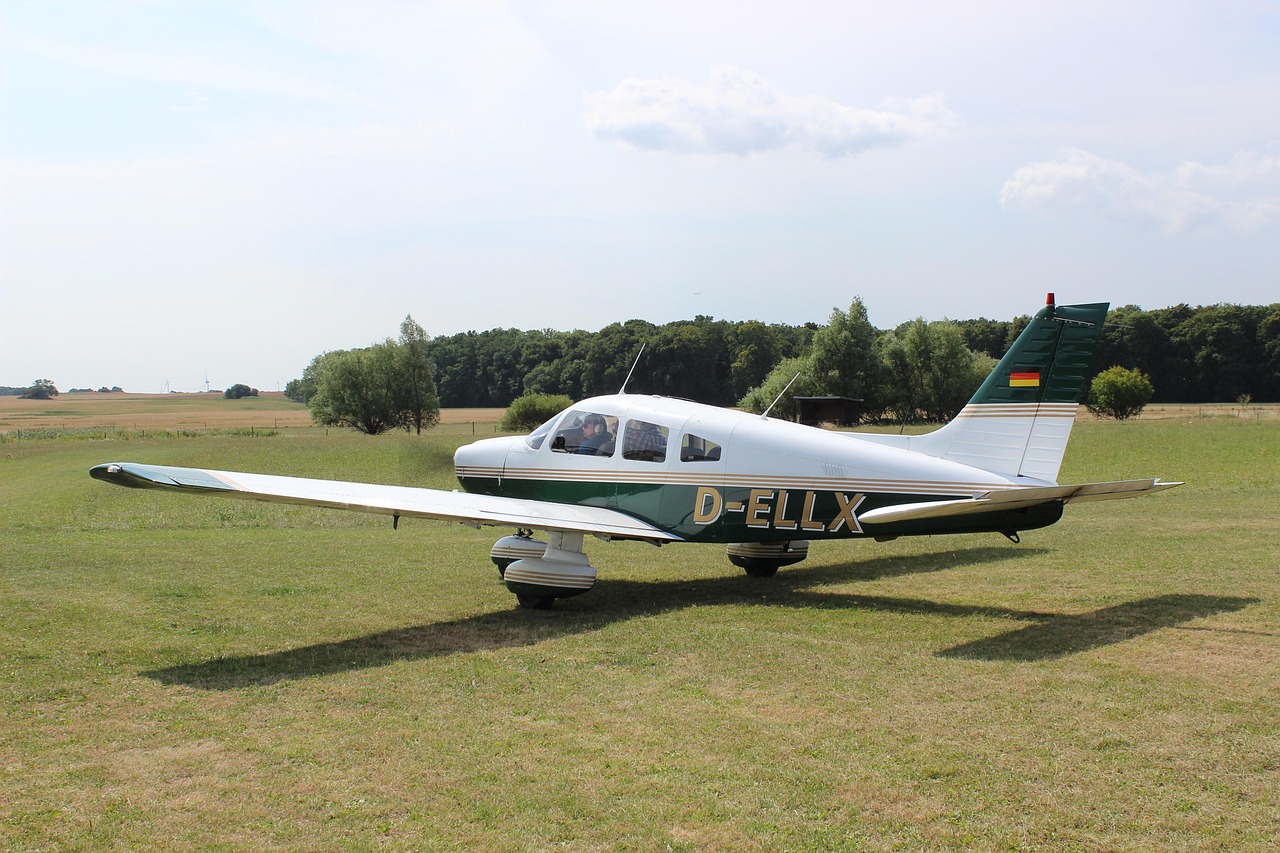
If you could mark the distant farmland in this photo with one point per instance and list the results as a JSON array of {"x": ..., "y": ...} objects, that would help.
[
  {"x": 270, "y": 410},
  {"x": 205, "y": 411}
]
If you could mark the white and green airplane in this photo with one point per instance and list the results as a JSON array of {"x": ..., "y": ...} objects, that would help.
[{"x": 662, "y": 470}]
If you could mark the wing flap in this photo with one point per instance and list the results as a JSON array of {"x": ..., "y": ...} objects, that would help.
[
  {"x": 404, "y": 501},
  {"x": 1017, "y": 498}
]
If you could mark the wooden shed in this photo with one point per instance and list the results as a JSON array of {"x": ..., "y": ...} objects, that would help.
[{"x": 841, "y": 411}]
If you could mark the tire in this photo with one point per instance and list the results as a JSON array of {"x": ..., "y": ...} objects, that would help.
[
  {"x": 757, "y": 569},
  {"x": 535, "y": 602}
]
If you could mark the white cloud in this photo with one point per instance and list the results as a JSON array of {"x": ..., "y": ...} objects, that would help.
[
  {"x": 1240, "y": 194},
  {"x": 739, "y": 112}
]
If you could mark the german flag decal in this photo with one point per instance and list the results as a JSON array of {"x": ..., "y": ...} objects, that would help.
[{"x": 1029, "y": 379}]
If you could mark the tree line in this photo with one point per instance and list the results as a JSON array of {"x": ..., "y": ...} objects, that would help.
[
  {"x": 713, "y": 361},
  {"x": 1207, "y": 354},
  {"x": 919, "y": 370},
  {"x": 1215, "y": 353}
]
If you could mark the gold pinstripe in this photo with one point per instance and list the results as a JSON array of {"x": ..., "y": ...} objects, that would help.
[
  {"x": 744, "y": 481},
  {"x": 1019, "y": 410},
  {"x": 522, "y": 574}
]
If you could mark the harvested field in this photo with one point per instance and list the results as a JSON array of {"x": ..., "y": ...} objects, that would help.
[{"x": 205, "y": 411}]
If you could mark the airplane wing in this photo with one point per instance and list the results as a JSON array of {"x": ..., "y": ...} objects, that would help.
[
  {"x": 1015, "y": 499},
  {"x": 402, "y": 501}
]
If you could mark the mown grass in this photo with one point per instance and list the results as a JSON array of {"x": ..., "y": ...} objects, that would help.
[{"x": 197, "y": 673}]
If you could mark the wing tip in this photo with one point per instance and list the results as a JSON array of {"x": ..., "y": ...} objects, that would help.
[{"x": 115, "y": 473}]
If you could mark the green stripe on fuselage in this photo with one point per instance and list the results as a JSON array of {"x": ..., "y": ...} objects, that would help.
[{"x": 718, "y": 514}]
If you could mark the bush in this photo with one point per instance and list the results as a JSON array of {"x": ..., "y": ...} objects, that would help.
[
  {"x": 533, "y": 410},
  {"x": 235, "y": 392},
  {"x": 1119, "y": 393}
]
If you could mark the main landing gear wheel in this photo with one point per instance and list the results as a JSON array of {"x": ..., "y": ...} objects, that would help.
[
  {"x": 763, "y": 559},
  {"x": 545, "y": 572}
]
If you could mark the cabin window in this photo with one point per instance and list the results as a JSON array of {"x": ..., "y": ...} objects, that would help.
[
  {"x": 695, "y": 448},
  {"x": 645, "y": 442},
  {"x": 586, "y": 434}
]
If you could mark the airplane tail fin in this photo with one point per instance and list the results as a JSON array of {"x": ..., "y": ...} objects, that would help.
[{"x": 1018, "y": 422}]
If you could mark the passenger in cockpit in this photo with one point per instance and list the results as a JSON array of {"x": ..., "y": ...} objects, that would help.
[{"x": 595, "y": 436}]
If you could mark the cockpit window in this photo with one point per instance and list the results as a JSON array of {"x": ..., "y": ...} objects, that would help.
[
  {"x": 586, "y": 434},
  {"x": 644, "y": 442},
  {"x": 694, "y": 448},
  {"x": 539, "y": 435}
]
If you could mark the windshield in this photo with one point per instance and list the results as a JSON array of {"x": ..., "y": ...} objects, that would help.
[
  {"x": 539, "y": 435},
  {"x": 586, "y": 433}
]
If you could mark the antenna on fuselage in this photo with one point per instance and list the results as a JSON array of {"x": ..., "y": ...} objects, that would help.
[
  {"x": 623, "y": 389},
  {"x": 766, "y": 412}
]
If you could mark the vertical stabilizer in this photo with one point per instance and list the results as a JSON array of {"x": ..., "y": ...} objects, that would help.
[{"x": 1019, "y": 420}]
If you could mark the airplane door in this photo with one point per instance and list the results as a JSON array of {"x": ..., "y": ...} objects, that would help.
[
  {"x": 644, "y": 462},
  {"x": 693, "y": 501},
  {"x": 576, "y": 464}
]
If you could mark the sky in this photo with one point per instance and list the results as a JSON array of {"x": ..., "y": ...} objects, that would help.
[{"x": 220, "y": 191}]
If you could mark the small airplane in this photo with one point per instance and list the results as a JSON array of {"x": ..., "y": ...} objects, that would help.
[{"x": 662, "y": 470}]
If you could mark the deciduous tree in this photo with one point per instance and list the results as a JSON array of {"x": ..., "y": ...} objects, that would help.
[
  {"x": 774, "y": 391},
  {"x": 417, "y": 387},
  {"x": 930, "y": 372},
  {"x": 844, "y": 358},
  {"x": 41, "y": 389},
  {"x": 357, "y": 388}
]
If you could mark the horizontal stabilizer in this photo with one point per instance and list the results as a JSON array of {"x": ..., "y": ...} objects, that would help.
[
  {"x": 996, "y": 501},
  {"x": 402, "y": 501}
]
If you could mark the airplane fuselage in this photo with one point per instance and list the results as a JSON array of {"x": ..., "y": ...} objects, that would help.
[{"x": 716, "y": 475}]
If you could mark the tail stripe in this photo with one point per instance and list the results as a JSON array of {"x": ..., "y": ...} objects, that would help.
[{"x": 1019, "y": 410}]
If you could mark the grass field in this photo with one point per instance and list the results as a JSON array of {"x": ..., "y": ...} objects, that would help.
[{"x": 197, "y": 673}]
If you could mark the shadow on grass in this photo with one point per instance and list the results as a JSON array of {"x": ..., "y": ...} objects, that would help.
[
  {"x": 1060, "y": 634},
  {"x": 1054, "y": 634}
]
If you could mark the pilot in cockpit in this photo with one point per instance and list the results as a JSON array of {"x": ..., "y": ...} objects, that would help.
[
  {"x": 595, "y": 436},
  {"x": 584, "y": 433}
]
